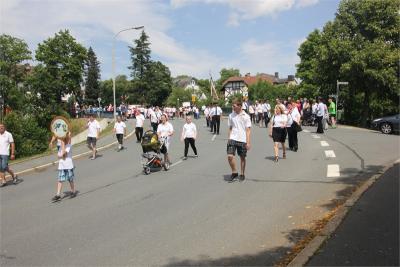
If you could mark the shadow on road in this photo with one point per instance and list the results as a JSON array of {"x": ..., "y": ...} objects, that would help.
[{"x": 265, "y": 258}]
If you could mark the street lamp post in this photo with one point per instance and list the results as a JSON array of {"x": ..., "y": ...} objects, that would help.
[
  {"x": 113, "y": 63},
  {"x": 337, "y": 93}
]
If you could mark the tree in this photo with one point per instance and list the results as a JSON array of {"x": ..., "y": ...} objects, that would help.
[
  {"x": 224, "y": 75},
  {"x": 13, "y": 52},
  {"x": 159, "y": 82},
  {"x": 63, "y": 59},
  {"x": 178, "y": 93},
  {"x": 360, "y": 46},
  {"x": 92, "y": 76},
  {"x": 140, "y": 56},
  {"x": 123, "y": 88}
]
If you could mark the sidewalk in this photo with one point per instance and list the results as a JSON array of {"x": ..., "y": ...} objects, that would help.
[
  {"x": 78, "y": 149},
  {"x": 369, "y": 234}
]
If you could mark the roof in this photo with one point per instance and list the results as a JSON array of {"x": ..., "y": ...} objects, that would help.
[{"x": 249, "y": 80}]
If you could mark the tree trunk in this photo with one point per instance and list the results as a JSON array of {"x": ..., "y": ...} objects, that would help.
[{"x": 365, "y": 109}]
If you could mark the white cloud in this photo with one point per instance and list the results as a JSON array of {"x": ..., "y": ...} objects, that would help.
[
  {"x": 92, "y": 21},
  {"x": 250, "y": 9},
  {"x": 268, "y": 57}
]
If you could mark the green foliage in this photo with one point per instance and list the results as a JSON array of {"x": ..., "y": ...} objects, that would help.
[
  {"x": 13, "y": 52},
  {"x": 263, "y": 90},
  {"x": 92, "y": 77},
  {"x": 29, "y": 137},
  {"x": 224, "y": 75},
  {"x": 152, "y": 81},
  {"x": 63, "y": 61},
  {"x": 361, "y": 46},
  {"x": 178, "y": 93}
]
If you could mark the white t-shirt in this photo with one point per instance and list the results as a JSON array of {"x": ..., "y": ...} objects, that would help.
[
  {"x": 293, "y": 115},
  {"x": 93, "y": 128},
  {"x": 165, "y": 130},
  {"x": 120, "y": 127},
  {"x": 66, "y": 164},
  {"x": 189, "y": 130},
  {"x": 320, "y": 109},
  {"x": 239, "y": 123},
  {"x": 5, "y": 140},
  {"x": 153, "y": 116},
  {"x": 139, "y": 120},
  {"x": 280, "y": 120}
]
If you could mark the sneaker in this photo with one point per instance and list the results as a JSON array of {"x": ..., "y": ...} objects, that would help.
[
  {"x": 73, "y": 194},
  {"x": 56, "y": 197},
  {"x": 92, "y": 158},
  {"x": 184, "y": 158},
  {"x": 233, "y": 176},
  {"x": 196, "y": 156},
  {"x": 241, "y": 178},
  {"x": 15, "y": 179}
]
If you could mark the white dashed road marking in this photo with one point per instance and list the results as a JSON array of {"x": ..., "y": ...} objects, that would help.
[
  {"x": 176, "y": 163},
  {"x": 333, "y": 170},
  {"x": 316, "y": 136},
  {"x": 324, "y": 143},
  {"x": 330, "y": 154}
]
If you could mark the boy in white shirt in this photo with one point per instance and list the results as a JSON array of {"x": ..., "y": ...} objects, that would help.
[
  {"x": 189, "y": 135},
  {"x": 239, "y": 124},
  {"x": 120, "y": 132},
  {"x": 139, "y": 126},
  {"x": 93, "y": 127}
]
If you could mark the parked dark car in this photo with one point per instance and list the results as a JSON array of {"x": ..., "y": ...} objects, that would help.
[{"x": 387, "y": 125}]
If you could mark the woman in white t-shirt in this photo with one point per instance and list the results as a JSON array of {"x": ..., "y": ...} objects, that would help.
[
  {"x": 277, "y": 131},
  {"x": 164, "y": 131},
  {"x": 189, "y": 135}
]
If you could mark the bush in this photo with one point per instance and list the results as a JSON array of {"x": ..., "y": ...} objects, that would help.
[{"x": 29, "y": 138}]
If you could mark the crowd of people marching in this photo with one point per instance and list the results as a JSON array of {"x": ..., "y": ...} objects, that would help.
[{"x": 283, "y": 122}]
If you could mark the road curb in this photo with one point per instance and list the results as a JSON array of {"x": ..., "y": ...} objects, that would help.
[
  {"x": 44, "y": 166},
  {"x": 306, "y": 253}
]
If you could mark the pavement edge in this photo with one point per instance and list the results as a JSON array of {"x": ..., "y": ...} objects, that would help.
[{"x": 309, "y": 250}]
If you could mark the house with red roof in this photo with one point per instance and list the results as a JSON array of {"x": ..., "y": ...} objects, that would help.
[{"x": 240, "y": 84}]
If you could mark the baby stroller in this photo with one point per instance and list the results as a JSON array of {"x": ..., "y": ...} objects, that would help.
[
  {"x": 152, "y": 149},
  {"x": 308, "y": 119}
]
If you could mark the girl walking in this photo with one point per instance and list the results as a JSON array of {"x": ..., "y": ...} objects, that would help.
[
  {"x": 65, "y": 168},
  {"x": 277, "y": 131},
  {"x": 189, "y": 135}
]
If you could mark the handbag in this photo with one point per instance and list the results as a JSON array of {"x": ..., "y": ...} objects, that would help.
[{"x": 297, "y": 126}]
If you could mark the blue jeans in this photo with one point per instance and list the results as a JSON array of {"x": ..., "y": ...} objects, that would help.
[{"x": 3, "y": 163}]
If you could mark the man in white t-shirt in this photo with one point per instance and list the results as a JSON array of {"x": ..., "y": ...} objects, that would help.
[
  {"x": 6, "y": 141},
  {"x": 320, "y": 114},
  {"x": 189, "y": 135},
  {"x": 93, "y": 127},
  {"x": 239, "y": 124},
  {"x": 139, "y": 126},
  {"x": 153, "y": 119},
  {"x": 120, "y": 132}
]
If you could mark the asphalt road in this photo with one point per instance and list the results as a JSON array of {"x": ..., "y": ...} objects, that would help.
[{"x": 188, "y": 215}]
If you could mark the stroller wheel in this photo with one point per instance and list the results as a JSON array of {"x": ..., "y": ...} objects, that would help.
[
  {"x": 166, "y": 166},
  {"x": 146, "y": 170}
]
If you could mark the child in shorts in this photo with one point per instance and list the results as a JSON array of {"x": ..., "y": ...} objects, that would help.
[{"x": 65, "y": 167}]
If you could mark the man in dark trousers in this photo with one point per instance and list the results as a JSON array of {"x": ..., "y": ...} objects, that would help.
[{"x": 215, "y": 113}]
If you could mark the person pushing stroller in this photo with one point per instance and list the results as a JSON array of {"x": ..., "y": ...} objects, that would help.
[{"x": 164, "y": 131}]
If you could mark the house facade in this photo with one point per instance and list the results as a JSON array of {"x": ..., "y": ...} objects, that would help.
[{"x": 240, "y": 84}]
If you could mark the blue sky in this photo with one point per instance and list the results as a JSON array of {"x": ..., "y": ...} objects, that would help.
[{"x": 192, "y": 37}]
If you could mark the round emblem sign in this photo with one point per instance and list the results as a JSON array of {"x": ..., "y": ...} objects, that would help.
[{"x": 60, "y": 127}]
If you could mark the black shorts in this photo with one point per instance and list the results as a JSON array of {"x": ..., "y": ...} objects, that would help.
[
  {"x": 91, "y": 141},
  {"x": 233, "y": 145}
]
